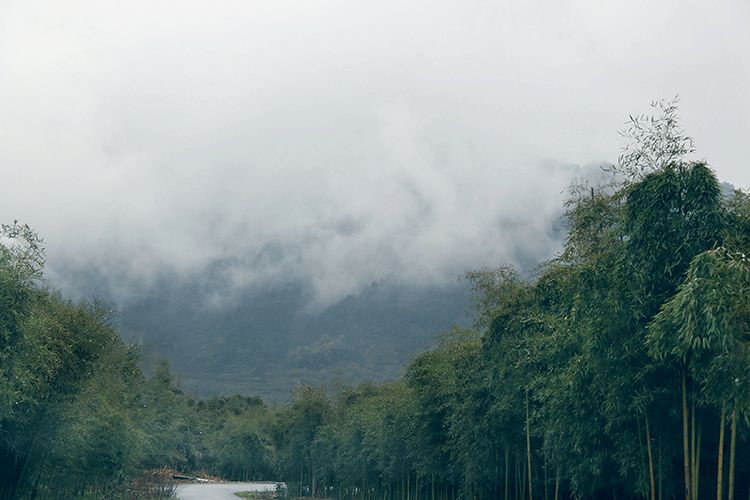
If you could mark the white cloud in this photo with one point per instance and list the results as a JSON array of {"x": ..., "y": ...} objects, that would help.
[{"x": 363, "y": 139}]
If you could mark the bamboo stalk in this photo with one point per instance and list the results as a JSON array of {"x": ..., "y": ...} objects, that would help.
[
  {"x": 697, "y": 462},
  {"x": 650, "y": 460},
  {"x": 685, "y": 450},
  {"x": 720, "y": 471},
  {"x": 557, "y": 485},
  {"x": 692, "y": 450},
  {"x": 507, "y": 473},
  {"x": 528, "y": 445},
  {"x": 661, "y": 470},
  {"x": 732, "y": 443},
  {"x": 518, "y": 492}
]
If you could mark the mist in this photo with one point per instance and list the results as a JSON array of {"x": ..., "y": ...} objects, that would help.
[{"x": 338, "y": 143}]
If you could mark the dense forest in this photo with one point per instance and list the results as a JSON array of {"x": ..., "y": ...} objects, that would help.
[
  {"x": 264, "y": 342},
  {"x": 619, "y": 369}
]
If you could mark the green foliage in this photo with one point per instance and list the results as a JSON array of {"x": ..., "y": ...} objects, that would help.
[
  {"x": 706, "y": 324},
  {"x": 77, "y": 415}
]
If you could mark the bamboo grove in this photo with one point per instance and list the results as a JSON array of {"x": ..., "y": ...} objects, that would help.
[
  {"x": 619, "y": 369},
  {"x": 78, "y": 418}
]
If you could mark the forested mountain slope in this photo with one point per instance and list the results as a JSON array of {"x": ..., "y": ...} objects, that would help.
[{"x": 265, "y": 342}]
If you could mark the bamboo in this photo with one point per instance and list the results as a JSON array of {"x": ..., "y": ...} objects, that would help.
[
  {"x": 312, "y": 475},
  {"x": 685, "y": 451},
  {"x": 692, "y": 449},
  {"x": 528, "y": 445},
  {"x": 697, "y": 462},
  {"x": 720, "y": 471},
  {"x": 641, "y": 449},
  {"x": 557, "y": 485},
  {"x": 732, "y": 443},
  {"x": 517, "y": 481},
  {"x": 507, "y": 473},
  {"x": 650, "y": 459},
  {"x": 661, "y": 474}
]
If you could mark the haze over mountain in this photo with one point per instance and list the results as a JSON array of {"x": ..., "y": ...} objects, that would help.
[
  {"x": 197, "y": 161},
  {"x": 222, "y": 338}
]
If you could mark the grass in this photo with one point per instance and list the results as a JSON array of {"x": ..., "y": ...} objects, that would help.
[{"x": 257, "y": 495}]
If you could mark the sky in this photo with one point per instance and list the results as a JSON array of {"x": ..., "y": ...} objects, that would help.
[{"x": 339, "y": 142}]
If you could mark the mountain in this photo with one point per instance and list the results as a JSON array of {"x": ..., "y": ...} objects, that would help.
[{"x": 264, "y": 342}]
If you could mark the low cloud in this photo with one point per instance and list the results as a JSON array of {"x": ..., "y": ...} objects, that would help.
[{"x": 335, "y": 143}]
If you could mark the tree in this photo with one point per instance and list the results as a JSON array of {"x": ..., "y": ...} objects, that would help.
[
  {"x": 706, "y": 326},
  {"x": 654, "y": 141}
]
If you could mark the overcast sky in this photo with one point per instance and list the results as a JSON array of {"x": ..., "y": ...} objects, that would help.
[{"x": 340, "y": 141}]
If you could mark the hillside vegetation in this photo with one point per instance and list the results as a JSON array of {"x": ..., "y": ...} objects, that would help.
[{"x": 264, "y": 342}]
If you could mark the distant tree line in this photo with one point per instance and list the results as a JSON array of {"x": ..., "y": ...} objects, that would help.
[{"x": 620, "y": 369}]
